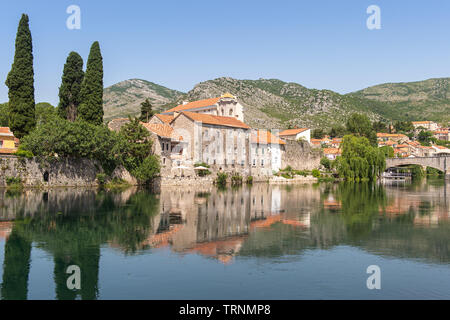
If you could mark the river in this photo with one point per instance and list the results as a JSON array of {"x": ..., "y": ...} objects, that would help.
[{"x": 312, "y": 241}]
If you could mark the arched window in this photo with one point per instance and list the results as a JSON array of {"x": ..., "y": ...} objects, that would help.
[{"x": 231, "y": 112}]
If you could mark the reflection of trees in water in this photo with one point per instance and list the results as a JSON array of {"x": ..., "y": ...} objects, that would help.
[
  {"x": 358, "y": 218},
  {"x": 72, "y": 228}
]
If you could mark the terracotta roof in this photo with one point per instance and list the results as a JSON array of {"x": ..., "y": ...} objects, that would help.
[
  {"x": 164, "y": 117},
  {"x": 265, "y": 137},
  {"x": 194, "y": 105},
  {"x": 292, "y": 132},
  {"x": 421, "y": 122},
  {"x": 5, "y": 131},
  {"x": 390, "y": 135},
  {"x": 162, "y": 130},
  {"x": 216, "y": 120},
  {"x": 332, "y": 151}
]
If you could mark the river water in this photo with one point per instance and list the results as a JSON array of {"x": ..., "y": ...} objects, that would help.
[{"x": 312, "y": 241}]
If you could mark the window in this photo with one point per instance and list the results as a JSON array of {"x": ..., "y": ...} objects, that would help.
[
  {"x": 231, "y": 112},
  {"x": 167, "y": 147},
  {"x": 262, "y": 162},
  {"x": 254, "y": 162},
  {"x": 164, "y": 160}
]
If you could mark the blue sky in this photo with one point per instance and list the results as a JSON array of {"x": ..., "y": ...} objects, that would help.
[{"x": 322, "y": 44}]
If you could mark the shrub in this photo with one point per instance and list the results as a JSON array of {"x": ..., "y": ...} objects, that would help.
[
  {"x": 202, "y": 172},
  {"x": 24, "y": 153},
  {"x": 221, "y": 179},
  {"x": 250, "y": 180},
  {"x": 316, "y": 173},
  {"x": 326, "y": 163},
  {"x": 236, "y": 179},
  {"x": 13, "y": 180},
  {"x": 101, "y": 178},
  {"x": 147, "y": 170}
]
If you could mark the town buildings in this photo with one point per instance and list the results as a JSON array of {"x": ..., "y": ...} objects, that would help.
[{"x": 8, "y": 143}]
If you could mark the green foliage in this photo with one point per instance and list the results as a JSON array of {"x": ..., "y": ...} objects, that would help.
[
  {"x": 425, "y": 137},
  {"x": 4, "y": 121},
  {"x": 134, "y": 145},
  {"x": 202, "y": 172},
  {"x": 359, "y": 161},
  {"x": 318, "y": 134},
  {"x": 147, "y": 170},
  {"x": 13, "y": 180},
  {"x": 69, "y": 92},
  {"x": 380, "y": 126},
  {"x": 403, "y": 126},
  {"x": 20, "y": 82},
  {"x": 236, "y": 179},
  {"x": 249, "y": 180},
  {"x": 73, "y": 139},
  {"x": 359, "y": 125},
  {"x": 91, "y": 92},
  {"x": 337, "y": 131},
  {"x": 24, "y": 153},
  {"x": 221, "y": 179},
  {"x": 44, "y": 112},
  {"x": 315, "y": 173},
  {"x": 434, "y": 172},
  {"x": 417, "y": 172},
  {"x": 101, "y": 178},
  {"x": 326, "y": 163},
  {"x": 146, "y": 110},
  {"x": 388, "y": 151}
]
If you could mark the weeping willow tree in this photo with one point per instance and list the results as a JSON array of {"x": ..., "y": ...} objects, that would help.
[{"x": 360, "y": 161}]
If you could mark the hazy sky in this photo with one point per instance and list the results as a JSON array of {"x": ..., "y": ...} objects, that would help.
[{"x": 319, "y": 44}]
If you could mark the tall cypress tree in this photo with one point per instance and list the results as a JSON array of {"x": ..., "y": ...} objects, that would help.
[
  {"x": 20, "y": 82},
  {"x": 69, "y": 92},
  {"x": 91, "y": 106},
  {"x": 146, "y": 110}
]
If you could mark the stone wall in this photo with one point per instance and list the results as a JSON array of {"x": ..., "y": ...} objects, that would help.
[
  {"x": 57, "y": 173},
  {"x": 300, "y": 156}
]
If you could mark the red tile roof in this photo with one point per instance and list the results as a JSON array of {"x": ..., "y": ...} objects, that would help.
[
  {"x": 332, "y": 151},
  {"x": 164, "y": 117},
  {"x": 194, "y": 105},
  {"x": 265, "y": 137},
  {"x": 216, "y": 120},
  {"x": 162, "y": 130},
  {"x": 292, "y": 132},
  {"x": 5, "y": 131}
]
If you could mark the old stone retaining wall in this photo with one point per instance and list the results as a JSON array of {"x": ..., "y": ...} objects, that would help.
[
  {"x": 300, "y": 156},
  {"x": 56, "y": 173}
]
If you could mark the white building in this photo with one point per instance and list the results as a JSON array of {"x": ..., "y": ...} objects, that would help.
[{"x": 296, "y": 134}]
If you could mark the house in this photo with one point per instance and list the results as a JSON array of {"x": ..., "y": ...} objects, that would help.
[
  {"x": 8, "y": 143},
  {"x": 296, "y": 134},
  {"x": 332, "y": 153},
  {"x": 441, "y": 150},
  {"x": 428, "y": 125},
  {"x": 442, "y": 134},
  {"x": 266, "y": 150},
  {"x": 396, "y": 137},
  {"x": 423, "y": 151},
  {"x": 225, "y": 106}
]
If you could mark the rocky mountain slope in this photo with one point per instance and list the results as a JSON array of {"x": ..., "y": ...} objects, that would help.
[
  {"x": 428, "y": 99},
  {"x": 272, "y": 103},
  {"x": 124, "y": 98}
]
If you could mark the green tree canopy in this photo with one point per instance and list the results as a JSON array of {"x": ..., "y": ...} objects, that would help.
[
  {"x": 91, "y": 92},
  {"x": 4, "y": 119},
  {"x": 359, "y": 125},
  {"x": 146, "y": 110},
  {"x": 69, "y": 91},
  {"x": 318, "y": 134},
  {"x": 20, "y": 82},
  {"x": 360, "y": 160}
]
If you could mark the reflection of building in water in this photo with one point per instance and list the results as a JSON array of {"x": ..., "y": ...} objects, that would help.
[
  {"x": 216, "y": 222},
  {"x": 5, "y": 229}
]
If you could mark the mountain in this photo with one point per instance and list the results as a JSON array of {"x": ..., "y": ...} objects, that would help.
[
  {"x": 272, "y": 103},
  {"x": 420, "y": 100},
  {"x": 124, "y": 98}
]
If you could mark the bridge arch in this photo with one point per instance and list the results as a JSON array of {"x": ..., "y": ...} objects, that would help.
[{"x": 441, "y": 163}]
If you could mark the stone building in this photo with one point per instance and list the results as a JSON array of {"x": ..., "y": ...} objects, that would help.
[
  {"x": 8, "y": 143},
  {"x": 296, "y": 134}
]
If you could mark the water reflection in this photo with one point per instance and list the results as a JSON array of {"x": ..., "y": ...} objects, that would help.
[{"x": 262, "y": 221}]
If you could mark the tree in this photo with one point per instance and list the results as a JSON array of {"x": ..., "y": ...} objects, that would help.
[
  {"x": 20, "y": 82},
  {"x": 318, "y": 134},
  {"x": 135, "y": 145},
  {"x": 146, "y": 110},
  {"x": 360, "y": 160},
  {"x": 91, "y": 92},
  {"x": 379, "y": 126},
  {"x": 359, "y": 125},
  {"x": 44, "y": 113},
  {"x": 403, "y": 126},
  {"x": 337, "y": 131},
  {"x": 69, "y": 92},
  {"x": 4, "y": 121},
  {"x": 388, "y": 151},
  {"x": 425, "y": 137}
]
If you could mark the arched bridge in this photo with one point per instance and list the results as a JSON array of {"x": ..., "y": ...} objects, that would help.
[{"x": 441, "y": 163}]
